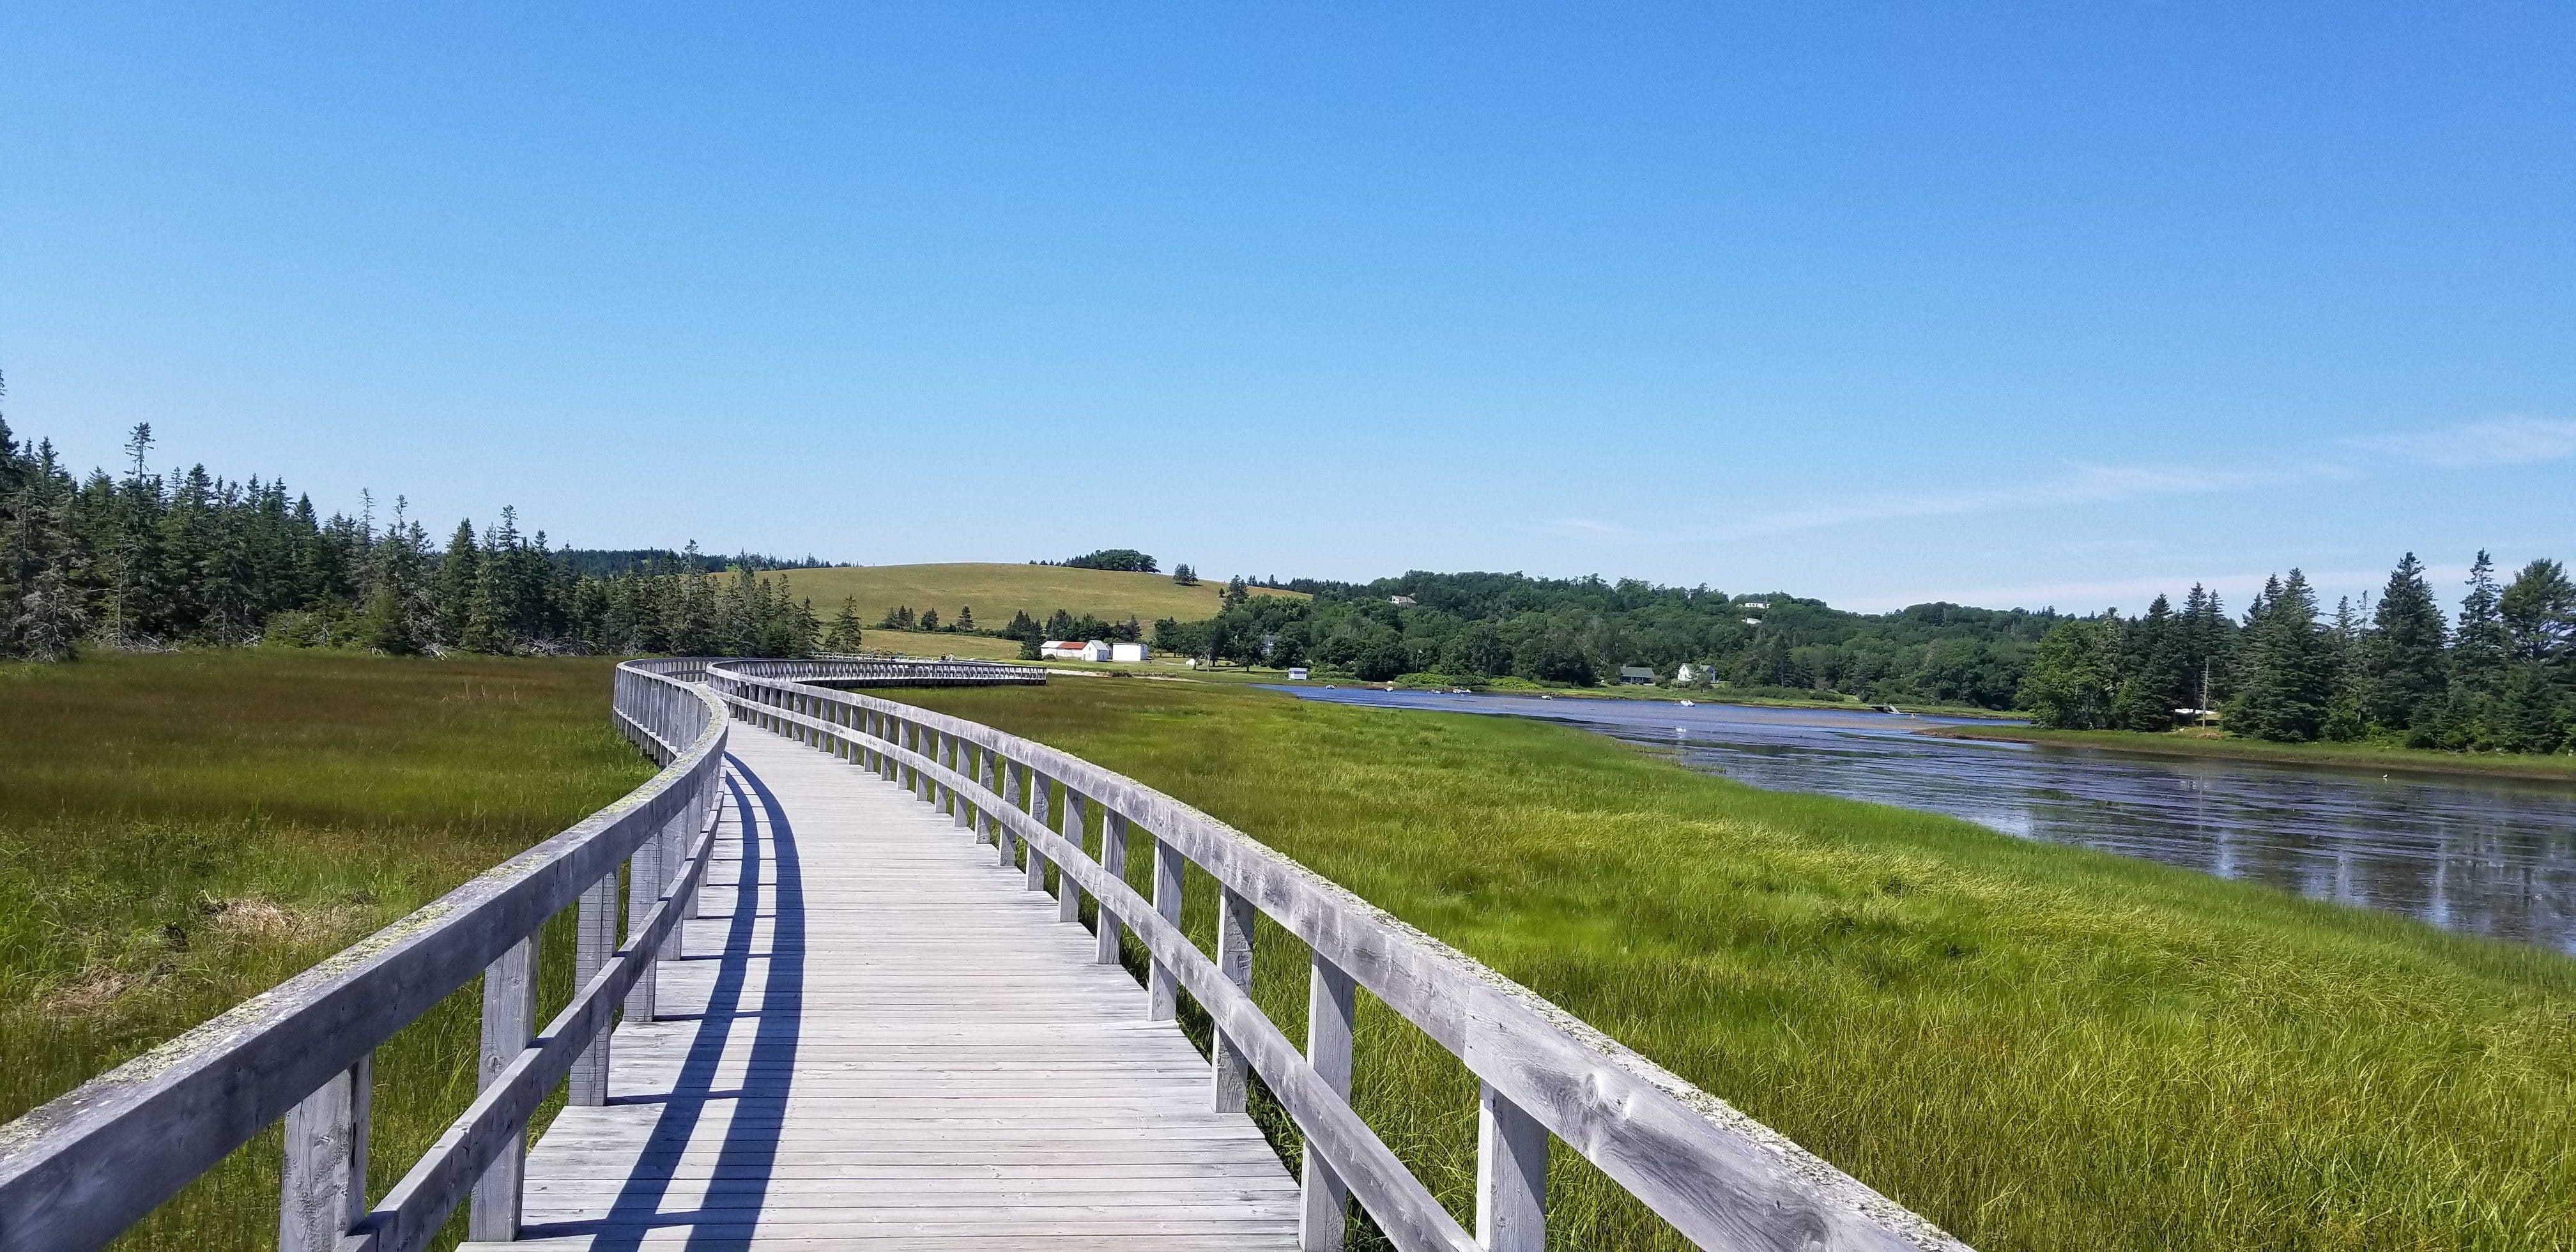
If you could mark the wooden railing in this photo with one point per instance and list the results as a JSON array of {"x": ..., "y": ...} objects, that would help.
[
  {"x": 1721, "y": 1178},
  {"x": 77, "y": 1171}
]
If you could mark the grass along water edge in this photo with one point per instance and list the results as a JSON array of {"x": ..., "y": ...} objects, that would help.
[{"x": 2036, "y": 1046}]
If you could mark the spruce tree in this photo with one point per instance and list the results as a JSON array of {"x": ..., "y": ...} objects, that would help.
[
  {"x": 844, "y": 635},
  {"x": 2404, "y": 671},
  {"x": 460, "y": 571},
  {"x": 966, "y": 619},
  {"x": 2285, "y": 668}
]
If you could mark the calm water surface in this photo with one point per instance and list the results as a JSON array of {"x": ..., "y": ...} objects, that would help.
[{"x": 2489, "y": 858}]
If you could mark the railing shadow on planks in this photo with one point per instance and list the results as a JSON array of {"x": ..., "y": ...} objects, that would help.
[{"x": 80, "y": 1169}]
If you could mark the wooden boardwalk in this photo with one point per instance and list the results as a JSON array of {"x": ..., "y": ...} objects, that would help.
[{"x": 879, "y": 1039}]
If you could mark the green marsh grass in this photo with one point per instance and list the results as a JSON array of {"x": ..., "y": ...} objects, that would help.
[
  {"x": 2038, "y": 1047},
  {"x": 180, "y": 832}
]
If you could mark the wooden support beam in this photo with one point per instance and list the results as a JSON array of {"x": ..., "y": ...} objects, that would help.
[
  {"x": 1068, "y": 897},
  {"x": 1113, "y": 859},
  {"x": 1330, "y": 1015},
  {"x": 509, "y": 1021},
  {"x": 324, "y": 1184},
  {"x": 1234, "y": 964},
  {"x": 1162, "y": 992},
  {"x": 597, "y": 940},
  {"x": 1511, "y": 1176}
]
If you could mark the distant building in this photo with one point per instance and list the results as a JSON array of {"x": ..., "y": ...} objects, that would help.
[
  {"x": 1296, "y": 673},
  {"x": 1401, "y": 602},
  {"x": 1074, "y": 650},
  {"x": 1687, "y": 673},
  {"x": 1131, "y": 652},
  {"x": 1636, "y": 676}
]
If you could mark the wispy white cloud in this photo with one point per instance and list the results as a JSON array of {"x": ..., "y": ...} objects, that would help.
[
  {"x": 2078, "y": 484},
  {"x": 2494, "y": 441},
  {"x": 2132, "y": 595},
  {"x": 1590, "y": 528}
]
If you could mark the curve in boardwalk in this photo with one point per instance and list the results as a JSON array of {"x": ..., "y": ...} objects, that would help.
[
  {"x": 878, "y": 1029},
  {"x": 876, "y": 1038}
]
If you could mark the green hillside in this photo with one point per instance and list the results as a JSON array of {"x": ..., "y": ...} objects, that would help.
[{"x": 996, "y": 591}]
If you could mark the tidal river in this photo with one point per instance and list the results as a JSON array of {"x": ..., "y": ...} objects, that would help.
[{"x": 2485, "y": 857}]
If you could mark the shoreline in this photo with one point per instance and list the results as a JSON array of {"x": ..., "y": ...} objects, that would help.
[{"x": 2358, "y": 759}]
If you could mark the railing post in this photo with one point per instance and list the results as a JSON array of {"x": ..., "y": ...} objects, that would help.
[
  {"x": 1511, "y": 1176},
  {"x": 943, "y": 798},
  {"x": 1329, "y": 1017},
  {"x": 1068, "y": 898},
  {"x": 643, "y": 887},
  {"x": 1234, "y": 964},
  {"x": 1162, "y": 990},
  {"x": 1013, "y": 774},
  {"x": 676, "y": 840},
  {"x": 961, "y": 805},
  {"x": 325, "y": 1179},
  {"x": 1113, "y": 859},
  {"x": 984, "y": 775},
  {"x": 1038, "y": 785},
  {"x": 597, "y": 939},
  {"x": 509, "y": 1021}
]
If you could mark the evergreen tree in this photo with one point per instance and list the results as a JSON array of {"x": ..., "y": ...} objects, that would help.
[
  {"x": 2477, "y": 668},
  {"x": 460, "y": 573},
  {"x": 930, "y": 619},
  {"x": 966, "y": 619},
  {"x": 2285, "y": 669},
  {"x": 844, "y": 635},
  {"x": 1235, "y": 593},
  {"x": 2404, "y": 674},
  {"x": 1185, "y": 576}
]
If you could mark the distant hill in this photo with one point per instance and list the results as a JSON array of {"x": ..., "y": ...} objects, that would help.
[{"x": 996, "y": 591}]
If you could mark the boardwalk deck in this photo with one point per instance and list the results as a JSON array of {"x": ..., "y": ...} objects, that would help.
[{"x": 881, "y": 1040}]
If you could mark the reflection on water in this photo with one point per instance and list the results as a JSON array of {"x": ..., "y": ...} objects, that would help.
[{"x": 2487, "y": 857}]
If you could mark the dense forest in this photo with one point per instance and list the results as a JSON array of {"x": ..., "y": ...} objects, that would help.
[
  {"x": 146, "y": 560},
  {"x": 2499, "y": 675},
  {"x": 1582, "y": 631}
]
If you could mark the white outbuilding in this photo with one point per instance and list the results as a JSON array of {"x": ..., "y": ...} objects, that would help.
[
  {"x": 1074, "y": 650},
  {"x": 1129, "y": 652}
]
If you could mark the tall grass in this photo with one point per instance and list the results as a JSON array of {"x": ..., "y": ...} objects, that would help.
[
  {"x": 2038, "y": 1047},
  {"x": 180, "y": 832}
]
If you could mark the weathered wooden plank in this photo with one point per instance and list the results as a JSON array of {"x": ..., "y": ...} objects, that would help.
[
  {"x": 1228, "y": 1067},
  {"x": 325, "y": 1177},
  {"x": 509, "y": 1021},
  {"x": 1331, "y": 1012}
]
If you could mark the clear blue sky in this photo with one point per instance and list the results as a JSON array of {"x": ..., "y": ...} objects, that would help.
[{"x": 2044, "y": 304}]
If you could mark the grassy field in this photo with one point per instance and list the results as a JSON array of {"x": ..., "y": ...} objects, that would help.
[
  {"x": 996, "y": 591},
  {"x": 180, "y": 832},
  {"x": 2039, "y": 1047},
  {"x": 2360, "y": 756}
]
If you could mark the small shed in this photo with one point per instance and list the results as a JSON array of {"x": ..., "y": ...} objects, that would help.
[
  {"x": 1636, "y": 676},
  {"x": 1296, "y": 673},
  {"x": 1131, "y": 652}
]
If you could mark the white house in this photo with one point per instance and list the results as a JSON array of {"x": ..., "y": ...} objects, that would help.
[
  {"x": 1073, "y": 650},
  {"x": 1401, "y": 602},
  {"x": 1686, "y": 673},
  {"x": 1296, "y": 673},
  {"x": 1130, "y": 652}
]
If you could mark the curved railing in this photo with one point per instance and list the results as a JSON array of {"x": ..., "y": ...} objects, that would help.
[
  {"x": 1721, "y": 1178},
  {"x": 76, "y": 1171}
]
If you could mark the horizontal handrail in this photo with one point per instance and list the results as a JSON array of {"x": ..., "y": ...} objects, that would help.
[
  {"x": 76, "y": 1171},
  {"x": 1718, "y": 1176}
]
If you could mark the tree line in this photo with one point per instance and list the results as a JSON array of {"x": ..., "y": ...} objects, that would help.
[
  {"x": 1581, "y": 631},
  {"x": 2499, "y": 674},
  {"x": 140, "y": 559}
]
